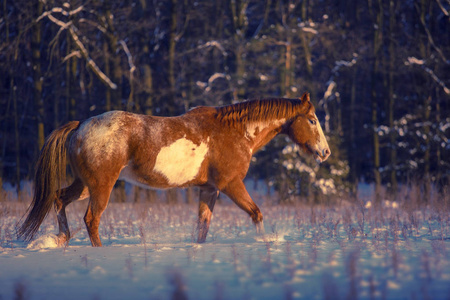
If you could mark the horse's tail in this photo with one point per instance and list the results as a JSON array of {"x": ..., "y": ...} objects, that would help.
[{"x": 50, "y": 173}]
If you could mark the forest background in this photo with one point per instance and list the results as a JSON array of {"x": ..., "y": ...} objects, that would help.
[{"x": 378, "y": 72}]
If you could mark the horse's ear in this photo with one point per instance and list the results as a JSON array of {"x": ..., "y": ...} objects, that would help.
[
  {"x": 305, "y": 98},
  {"x": 306, "y": 102}
]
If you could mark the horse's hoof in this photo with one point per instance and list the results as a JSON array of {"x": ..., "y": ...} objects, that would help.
[
  {"x": 61, "y": 240},
  {"x": 260, "y": 228}
]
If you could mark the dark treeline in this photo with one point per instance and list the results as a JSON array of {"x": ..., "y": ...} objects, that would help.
[{"x": 377, "y": 70}]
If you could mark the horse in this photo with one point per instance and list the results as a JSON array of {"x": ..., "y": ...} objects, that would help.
[{"x": 208, "y": 147}]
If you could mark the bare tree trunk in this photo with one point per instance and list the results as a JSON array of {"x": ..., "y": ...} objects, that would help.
[
  {"x": 108, "y": 101},
  {"x": 391, "y": 97},
  {"x": 4, "y": 131},
  {"x": 425, "y": 52},
  {"x": 240, "y": 72},
  {"x": 190, "y": 195},
  {"x": 17, "y": 143},
  {"x": 172, "y": 43},
  {"x": 377, "y": 41},
  {"x": 36, "y": 41},
  {"x": 353, "y": 176},
  {"x": 307, "y": 53},
  {"x": 70, "y": 89},
  {"x": 151, "y": 196},
  {"x": 5, "y": 115},
  {"x": 438, "y": 149},
  {"x": 148, "y": 89},
  {"x": 171, "y": 194},
  {"x": 426, "y": 157},
  {"x": 236, "y": 11},
  {"x": 288, "y": 68},
  {"x": 115, "y": 69}
]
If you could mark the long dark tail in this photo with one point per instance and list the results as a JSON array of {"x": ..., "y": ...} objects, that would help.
[{"x": 50, "y": 173}]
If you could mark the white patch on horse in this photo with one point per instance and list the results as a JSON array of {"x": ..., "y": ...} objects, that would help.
[
  {"x": 322, "y": 144},
  {"x": 180, "y": 161},
  {"x": 254, "y": 128},
  {"x": 322, "y": 141}
]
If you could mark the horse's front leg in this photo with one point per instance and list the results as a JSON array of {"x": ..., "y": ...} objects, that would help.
[
  {"x": 238, "y": 193},
  {"x": 208, "y": 197}
]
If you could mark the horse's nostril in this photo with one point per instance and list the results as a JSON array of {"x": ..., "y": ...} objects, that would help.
[{"x": 327, "y": 152}]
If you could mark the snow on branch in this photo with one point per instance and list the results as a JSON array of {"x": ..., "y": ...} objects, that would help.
[
  {"x": 443, "y": 8},
  {"x": 90, "y": 62},
  {"x": 207, "y": 85},
  {"x": 72, "y": 29},
  {"x": 60, "y": 10},
  {"x": 132, "y": 69},
  {"x": 72, "y": 54},
  {"x": 421, "y": 63},
  {"x": 214, "y": 44},
  {"x": 332, "y": 87},
  {"x": 310, "y": 30},
  {"x": 329, "y": 90},
  {"x": 343, "y": 63},
  {"x": 431, "y": 41},
  {"x": 129, "y": 56}
]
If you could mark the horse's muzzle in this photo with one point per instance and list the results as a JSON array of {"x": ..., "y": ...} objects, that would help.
[{"x": 321, "y": 157}]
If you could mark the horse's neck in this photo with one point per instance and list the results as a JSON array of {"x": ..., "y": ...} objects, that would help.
[{"x": 260, "y": 133}]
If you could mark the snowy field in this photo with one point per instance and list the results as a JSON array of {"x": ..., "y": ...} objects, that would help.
[{"x": 399, "y": 250}]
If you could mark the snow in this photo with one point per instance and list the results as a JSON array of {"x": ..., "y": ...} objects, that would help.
[
  {"x": 43, "y": 242},
  {"x": 420, "y": 62},
  {"x": 415, "y": 61},
  {"x": 394, "y": 250},
  {"x": 310, "y": 30},
  {"x": 331, "y": 86}
]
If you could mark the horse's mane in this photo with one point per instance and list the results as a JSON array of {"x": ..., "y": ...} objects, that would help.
[{"x": 261, "y": 110}]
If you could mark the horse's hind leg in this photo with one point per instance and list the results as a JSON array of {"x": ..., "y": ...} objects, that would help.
[
  {"x": 97, "y": 204},
  {"x": 76, "y": 191},
  {"x": 208, "y": 197},
  {"x": 238, "y": 193}
]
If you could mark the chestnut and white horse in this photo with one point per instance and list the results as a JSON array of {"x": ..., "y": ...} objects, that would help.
[{"x": 208, "y": 147}]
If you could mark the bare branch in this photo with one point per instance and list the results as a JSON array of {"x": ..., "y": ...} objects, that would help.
[
  {"x": 96, "y": 25},
  {"x": 214, "y": 44},
  {"x": 82, "y": 49},
  {"x": 129, "y": 56},
  {"x": 421, "y": 63},
  {"x": 72, "y": 54},
  {"x": 183, "y": 30},
  {"x": 91, "y": 64},
  {"x": 430, "y": 39},
  {"x": 53, "y": 10},
  {"x": 76, "y": 10},
  {"x": 58, "y": 22},
  {"x": 132, "y": 69},
  {"x": 443, "y": 8},
  {"x": 214, "y": 77}
]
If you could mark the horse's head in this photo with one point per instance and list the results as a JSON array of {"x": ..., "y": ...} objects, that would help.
[{"x": 305, "y": 130}]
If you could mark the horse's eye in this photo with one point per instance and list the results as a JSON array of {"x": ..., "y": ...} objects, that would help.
[{"x": 313, "y": 122}]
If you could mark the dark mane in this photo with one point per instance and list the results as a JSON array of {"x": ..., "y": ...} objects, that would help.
[{"x": 260, "y": 110}]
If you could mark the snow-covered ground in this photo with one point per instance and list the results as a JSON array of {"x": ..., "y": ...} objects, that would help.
[{"x": 351, "y": 251}]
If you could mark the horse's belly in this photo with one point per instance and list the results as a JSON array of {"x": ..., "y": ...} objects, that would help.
[{"x": 148, "y": 181}]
